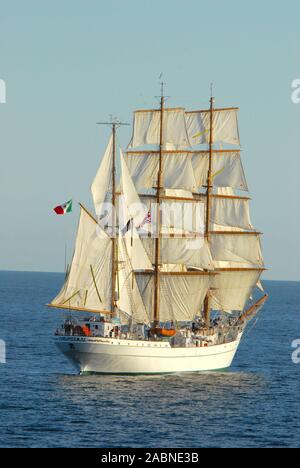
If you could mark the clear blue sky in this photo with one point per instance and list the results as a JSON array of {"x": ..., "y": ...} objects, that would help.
[{"x": 69, "y": 63}]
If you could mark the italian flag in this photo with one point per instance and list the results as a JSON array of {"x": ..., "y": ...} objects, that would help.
[{"x": 64, "y": 208}]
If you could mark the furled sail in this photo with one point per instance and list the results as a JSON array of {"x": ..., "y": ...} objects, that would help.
[
  {"x": 225, "y": 126},
  {"x": 102, "y": 183},
  {"x": 146, "y": 128},
  {"x": 88, "y": 283}
]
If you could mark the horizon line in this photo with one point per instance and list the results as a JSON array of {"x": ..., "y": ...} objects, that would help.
[{"x": 63, "y": 272}]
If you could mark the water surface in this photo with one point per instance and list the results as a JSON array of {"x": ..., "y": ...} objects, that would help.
[{"x": 43, "y": 403}]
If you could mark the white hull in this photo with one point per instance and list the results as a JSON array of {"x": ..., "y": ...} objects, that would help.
[{"x": 113, "y": 356}]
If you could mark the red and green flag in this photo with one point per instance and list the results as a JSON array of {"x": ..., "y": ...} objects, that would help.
[{"x": 64, "y": 208}]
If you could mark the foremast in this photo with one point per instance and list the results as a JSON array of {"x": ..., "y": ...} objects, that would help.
[{"x": 114, "y": 124}]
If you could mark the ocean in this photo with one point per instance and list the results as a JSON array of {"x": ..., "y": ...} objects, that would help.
[{"x": 43, "y": 403}]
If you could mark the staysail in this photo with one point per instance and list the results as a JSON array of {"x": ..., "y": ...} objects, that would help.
[
  {"x": 88, "y": 285},
  {"x": 102, "y": 183},
  {"x": 131, "y": 214},
  {"x": 130, "y": 301}
]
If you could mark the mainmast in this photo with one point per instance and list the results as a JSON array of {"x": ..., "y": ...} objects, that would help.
[
  {"x": 208, "y": 199},
  {"x": 114, "y": 124},
  {"x": 209, "y": 173},
  {"x": 158, "y": 221}
]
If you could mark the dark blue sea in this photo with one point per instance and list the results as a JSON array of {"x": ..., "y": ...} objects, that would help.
[{"x": 43, "y": 403}]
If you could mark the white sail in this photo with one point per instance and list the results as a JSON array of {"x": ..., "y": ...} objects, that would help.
[
  {"x": 225, "y": 191},
  {"x": 146, "y": 128},
  {"x": 177, "y": 170},
  {"x": 231, "y": 212},
  {"x": 136, "y": 251},
  {"x": 182, "y": 233},
  {"x": 130, "y": 301},
  {"x": 225, "y": 127},
  {"x": 131, "y": 215},
  {"x": 191, "y": 253},
  {"x": 143, "y": 168},
  {"x": 136, "y": 210},
  {"x": 227, "y": 169},
  {"x": 232, "y": 289},
  {"x": 237, "y": 248},
  {"x": 186, "y": 170},
  {"x": 181, "y": 295},
  {"x": 88, "y": 284},
  {"x": 178, "y": 216},
  {"x": 102, "y": 183}
]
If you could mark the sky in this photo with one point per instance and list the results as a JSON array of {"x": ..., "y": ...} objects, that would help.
[{"x": 70, "y": 63}]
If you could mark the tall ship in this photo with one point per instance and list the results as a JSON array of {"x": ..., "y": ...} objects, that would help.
[{"x": 166, "y": 270}]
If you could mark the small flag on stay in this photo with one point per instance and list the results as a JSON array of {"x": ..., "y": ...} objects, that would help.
[
  {"x": 127, "y": 226},
  {"x": 64, "y": 208},
  {"x": 147, "y": 219}
]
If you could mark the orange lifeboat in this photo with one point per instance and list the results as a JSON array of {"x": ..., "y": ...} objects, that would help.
[{"x": 165, "y": 332}]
